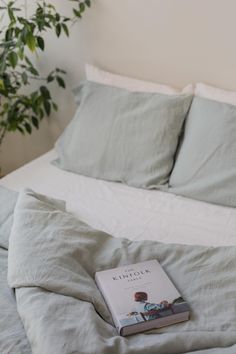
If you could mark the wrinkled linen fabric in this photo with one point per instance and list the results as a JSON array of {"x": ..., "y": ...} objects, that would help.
[
  {"x": 13, "y": 339},
  {"x": 122, "y": 136},
  {"x": 52, "y": 261},
  {"x": 205, "y": 167}
]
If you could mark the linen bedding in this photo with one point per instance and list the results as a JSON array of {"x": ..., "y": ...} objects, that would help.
[
  {"x": 128, "y": 212},
  {"x": 52, "y": 260},
  {"x": 12, "y": 335}
]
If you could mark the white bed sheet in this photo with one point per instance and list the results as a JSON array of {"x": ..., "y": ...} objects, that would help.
[{"x": 128, "y": 212}]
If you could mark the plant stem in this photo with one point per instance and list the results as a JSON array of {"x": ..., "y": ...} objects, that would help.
[{"x": 2, "y": 135}]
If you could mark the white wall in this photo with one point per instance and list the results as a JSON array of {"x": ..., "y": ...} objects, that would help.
[{"x": 168, "y": 41}]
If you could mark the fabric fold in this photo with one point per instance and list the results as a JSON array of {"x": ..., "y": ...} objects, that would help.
[{"x": 53, "y": 258}]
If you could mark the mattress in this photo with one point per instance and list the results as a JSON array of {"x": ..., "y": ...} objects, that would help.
[{"x": 123, "y": 211}]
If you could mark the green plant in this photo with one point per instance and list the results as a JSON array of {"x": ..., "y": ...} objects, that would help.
[{"x": 20, "y": 111}]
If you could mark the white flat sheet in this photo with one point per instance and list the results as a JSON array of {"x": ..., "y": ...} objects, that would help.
[{"x": 128, "y": 212}]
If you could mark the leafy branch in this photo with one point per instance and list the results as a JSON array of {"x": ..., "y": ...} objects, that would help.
[{"x": 19, "y": 111}]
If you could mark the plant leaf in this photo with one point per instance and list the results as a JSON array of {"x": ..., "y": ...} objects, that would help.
[
  {"x": 28, "y": 127},
  {"x": 55, "y": 106},
  {"x": 50, "y": 78},
  {"x": 20, "y": 130},
  {"x": 11, "y": 13},
  {"x": 58, "y": 17},
  {"x": 45, "y": 92},
  {"x": 2, "y": 86},
  {"x": 58, "y": 29},
  {"x": 31, "y": 68},
  {"x": 35, "y": 122},
  {"x": 65, "y": 28},
  {"x": 31, "y": 41},
  {"x": 40, "y": 42},
  {"x": 13, "y": 59},
  {"x": 47, "y": 107},
  {"x": 9, "y": 34},
  {"x": 33, "y": 71},
  {"x": 24, "y": 77},
  {"x": 21, "y": 53},
  {"x": 81, "y": 7},
  {"x": 61, "y": 82},
  {"x": 77, "y": 13}
]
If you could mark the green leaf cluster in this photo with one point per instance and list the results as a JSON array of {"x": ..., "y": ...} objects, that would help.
[{"x": 22, "y": 35}]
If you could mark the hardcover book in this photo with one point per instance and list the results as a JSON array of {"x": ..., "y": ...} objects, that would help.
[{"x": 141, "y": 297}]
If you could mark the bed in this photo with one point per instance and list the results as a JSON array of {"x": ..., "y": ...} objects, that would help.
[
  {"x": 129, "y": 214},
  {"x": 144, "y": 176},
  {"x": 49, "y": 303}
]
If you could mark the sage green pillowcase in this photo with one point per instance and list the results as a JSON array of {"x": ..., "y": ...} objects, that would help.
[
  {"x": 122, "y": 136},
  {"x": 205, "y": 168}
]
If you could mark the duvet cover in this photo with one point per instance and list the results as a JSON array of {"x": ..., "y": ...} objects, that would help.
[{"x": 49, "y": 301}]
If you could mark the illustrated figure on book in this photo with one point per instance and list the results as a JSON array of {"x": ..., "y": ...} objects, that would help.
[
  {"x": 150, "y": 311},
  {"x": 146, "y": 311}
]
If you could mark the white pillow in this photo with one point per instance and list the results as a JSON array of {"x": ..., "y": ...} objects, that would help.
[
  {"x": 215, "y": 94},
  {"x": 104, "y": 77}
]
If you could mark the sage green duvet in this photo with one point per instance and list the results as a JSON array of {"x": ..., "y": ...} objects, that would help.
[{"x": 52, "y": 259}]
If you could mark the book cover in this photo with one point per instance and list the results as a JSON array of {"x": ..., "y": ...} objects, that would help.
[{"x": 140, "y": 297}]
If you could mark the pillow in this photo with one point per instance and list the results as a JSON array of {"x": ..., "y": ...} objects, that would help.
[
  {"x": 216, "y": 94},
  {"x": 104, "y": 77},
  {"x": 205, "y": 168},
  {"x": 123, "y": 136}
]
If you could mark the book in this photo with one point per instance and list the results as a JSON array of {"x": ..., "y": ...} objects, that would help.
[{"x": 141, "y": 297}]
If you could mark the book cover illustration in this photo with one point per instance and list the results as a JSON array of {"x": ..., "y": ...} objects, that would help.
[
  {"x": 140, "y": 293},
  {"x": 147, "y": 309}
]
